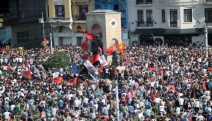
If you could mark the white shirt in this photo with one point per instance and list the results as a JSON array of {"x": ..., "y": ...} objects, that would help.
[
  {"x": 54, "y": 111},
  {"x": 181, "y": 101},
  {"x": 7, "y": 115},
  {"x": 20, "y": 60},
  {"x": 77, "y": 103}
]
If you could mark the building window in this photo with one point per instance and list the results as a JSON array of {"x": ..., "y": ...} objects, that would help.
[
  {"x": 47, "y": 10},
  {"x": 140, "y": 14},
  {"x": 187, "y": 15},
  {"x": 79, "y": 41},
  {"x": 208, "y": 15},
  {"x": 59, "y": 11},
  {"x": 60, "y": 30},
  {"x": 163, "y": 14},
  {"x": 143, "y": 1},
  {"x": 149, "y": 17},
  {"x": 82, "y": 12},
  {"x": 173, "y": 18},
  {"x": 116, "y": 7}
]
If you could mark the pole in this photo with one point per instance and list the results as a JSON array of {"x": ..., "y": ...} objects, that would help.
[
  {"x": 117, "y": 101},
  {"x": 51, "y": 49},
  {"x": 206, "y": 42},
  {"x": 43, "y": 25}
]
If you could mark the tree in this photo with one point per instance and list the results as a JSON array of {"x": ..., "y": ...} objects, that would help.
[{"x": 57, "y": 60}]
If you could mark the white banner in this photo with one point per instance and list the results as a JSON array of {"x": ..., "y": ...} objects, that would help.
[
  {"x": 102, "y": 60},
  {"x": 88, "y": 65},
  {"x": 55, "y": 74}
]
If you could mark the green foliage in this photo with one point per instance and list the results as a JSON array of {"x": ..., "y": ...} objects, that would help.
[{"x": 57, "y": 60}]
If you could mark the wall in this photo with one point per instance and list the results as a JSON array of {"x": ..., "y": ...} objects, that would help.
[{"x": 198, "y": 39}]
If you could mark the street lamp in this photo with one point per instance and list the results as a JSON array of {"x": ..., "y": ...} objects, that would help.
[
  {"x": 41, "y": 20},
  {"x": 206, "y": 41}
]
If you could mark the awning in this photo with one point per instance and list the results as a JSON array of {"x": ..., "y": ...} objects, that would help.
[
  {"x": 150, "y": 31},
  {"x": 161, "y": 31}
]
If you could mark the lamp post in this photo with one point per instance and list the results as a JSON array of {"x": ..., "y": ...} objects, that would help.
[
  {"x": 206, "y": 41},
  {"x": 41, "y": 20},
  {"x": 117, "y": 100}
]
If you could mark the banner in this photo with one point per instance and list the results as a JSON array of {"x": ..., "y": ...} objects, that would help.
[
  {"x": 111, "y": 49},
  {"x": 75, "y": 68},
  {"x": 55, "y": 74},
  {"x": 95, "y": 58},
  {"x": 102, "y": 60},
  {"x": 58, "y": 80},
  {"x": 27, "y": 74},
  {"x": 84, "y": 45},
  {"x": 88, "y": 65}
]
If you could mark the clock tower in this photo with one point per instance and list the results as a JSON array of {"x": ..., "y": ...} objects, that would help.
[{"x": 107, "y": 24}]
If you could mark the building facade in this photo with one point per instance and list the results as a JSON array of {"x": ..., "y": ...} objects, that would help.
[
  {"x": 66, "y": 17},
  {"x": 169, "y": 21},
  {"x": 19, "y": 24},
  {"x": 119, "y": 6}
]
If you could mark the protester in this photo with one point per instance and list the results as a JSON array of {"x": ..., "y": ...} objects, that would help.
[{"x": 166, "y": 83}]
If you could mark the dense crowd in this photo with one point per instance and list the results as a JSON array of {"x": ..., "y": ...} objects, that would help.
[{"x": 156, "y": 84}]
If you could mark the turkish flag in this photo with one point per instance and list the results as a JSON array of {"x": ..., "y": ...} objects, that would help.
[
  {"x": 58, "y": 80},
  {"x": 27, "y": 74},
  {"x": 84, "y": 45},
  {"x": 121, "y": 48},
  {"x": 73, "y": 80},
  {"x": 95, "y": 58},
  {"x": 112, "y": 48},
  {"x": 89, "y": 36}
]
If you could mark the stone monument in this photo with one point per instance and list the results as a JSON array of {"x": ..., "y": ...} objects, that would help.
[{"x": 107, "y": 25}]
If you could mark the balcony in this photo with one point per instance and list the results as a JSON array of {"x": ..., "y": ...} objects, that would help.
[
  {"x": 207, "y": 1},
  {"x": 60, "y": 21},
  {"x": 59, "y": 2},
  {"x": 79, "y": 18},
  {"x": 173, "y": 24},
  {"x": 143, "y": 2},
  {"x": 182, "y": 2},
  {"x": 144, "y": 23},
  {"x": 78, "y": 1}
]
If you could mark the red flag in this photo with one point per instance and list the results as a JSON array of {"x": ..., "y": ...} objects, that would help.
[
  {"x": 85, "y": 57},
  {"x": 58, "y": 80},
  {"x": 95, "y": 58},
  {"x": 112, "y": 48},
  {"x": 121, "y": 48},
  {"x": 27, "y": 74},
  {"x": 89, "y": 36},
  {"x": 100, "y": 50},
  {"x": 84, "y": 45},
  {"x": 73, "y": 80}
]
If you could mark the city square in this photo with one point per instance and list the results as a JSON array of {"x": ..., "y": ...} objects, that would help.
[{"x": 105, "y": 60}]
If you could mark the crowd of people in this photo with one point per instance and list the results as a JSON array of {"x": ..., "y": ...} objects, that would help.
[{"x": 154, "y": 84}]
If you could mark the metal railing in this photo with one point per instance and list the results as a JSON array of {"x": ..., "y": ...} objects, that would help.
[
  {"x": 59, "y": 20},
  {"x": 79, "y": 18},
  {"x": 144, "y": 23},
  {"x": 173, "y": 24},
  {"x": 143, "y": 1}
]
